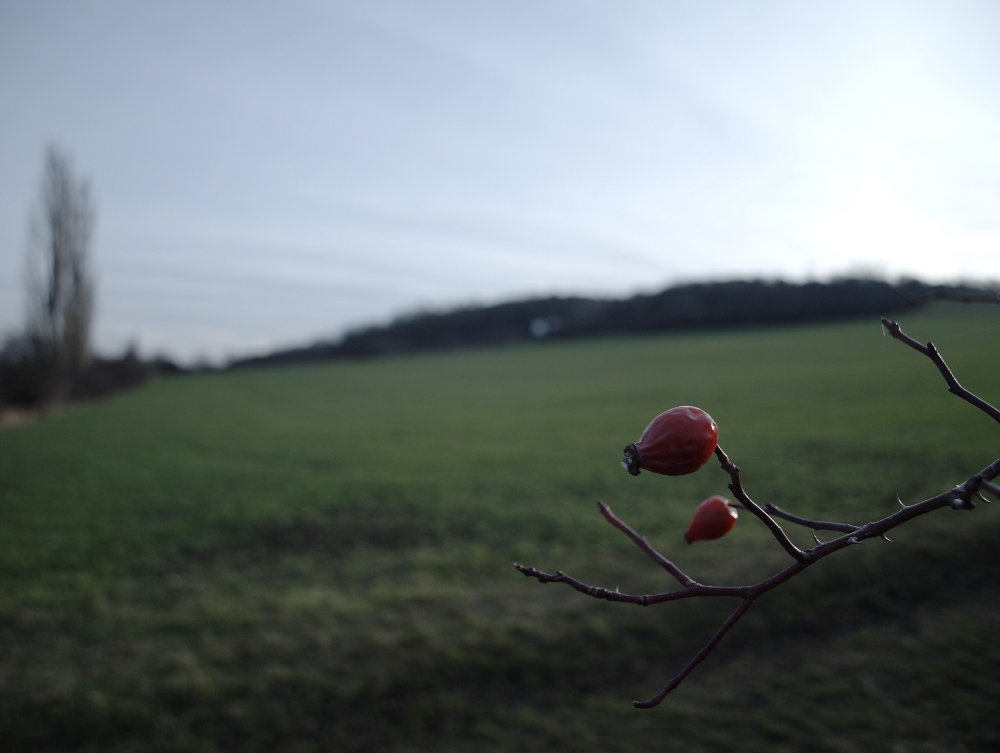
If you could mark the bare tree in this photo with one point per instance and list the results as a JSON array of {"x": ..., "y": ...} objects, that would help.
[
  {"x": 959, "y": 498},
  {"x": 60, "y": 286}
]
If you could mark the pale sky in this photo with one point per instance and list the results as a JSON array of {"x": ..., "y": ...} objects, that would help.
[{"x": 270, "y": 173}]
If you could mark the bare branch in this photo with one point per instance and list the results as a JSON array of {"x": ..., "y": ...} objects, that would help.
[
  {"x": 596, "y": 591},
  {"x": 736, "y": 487},
  {"x": 749, "y": 594},
  {"x": 698, "y": 658},
  {"x": 817, "y": 525},
  {"x": 990, "y": 472},
  {"x": 959, "y": 498},
  {"x": 642, "y": 600},
  {"x": 932, "y": 353},
  {"x": 640, "y": 541}
]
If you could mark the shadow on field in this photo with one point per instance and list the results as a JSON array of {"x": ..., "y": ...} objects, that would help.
[
  {"x": 295, "y": 639},
  {"x": 337, "y": 532}
]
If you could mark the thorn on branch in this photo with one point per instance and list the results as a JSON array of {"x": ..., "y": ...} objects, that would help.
[
  {"x": 991, "y": 488},
  {"x": 885, "y": 537},
  {"x": 854, "y": 540}
]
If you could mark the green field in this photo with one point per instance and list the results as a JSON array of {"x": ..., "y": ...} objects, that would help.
[{"x": 319, "y": 557}]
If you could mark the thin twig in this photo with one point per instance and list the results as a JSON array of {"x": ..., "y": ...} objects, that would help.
[
  {"x": 698, "y": 658},
  {"x": 596, "y": 591},
  {"x": 932, "y": 353},
  {"x": 736, "y": 487},
  {"x": 640, "y": 541},
  {"x": 643, "y": 600},
  {"x": 817, "y": 525}
]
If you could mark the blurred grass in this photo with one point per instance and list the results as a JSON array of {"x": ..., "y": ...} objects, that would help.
[{"x": 319, "y": 557}]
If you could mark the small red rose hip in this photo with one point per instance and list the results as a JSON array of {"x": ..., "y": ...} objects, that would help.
[
  {"x": 677, "y": 442},
  {"x": 714, "y": 518}
]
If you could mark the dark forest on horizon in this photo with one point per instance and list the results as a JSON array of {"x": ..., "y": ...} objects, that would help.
[
  {"x": 25, "y": 377},
  {"x": 738, "y": 303}
]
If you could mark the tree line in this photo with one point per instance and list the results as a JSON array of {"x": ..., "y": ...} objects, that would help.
[{"x": 681, "y": 307}]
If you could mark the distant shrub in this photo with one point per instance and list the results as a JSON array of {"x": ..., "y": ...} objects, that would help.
[
  {"x": 27, "y": 373},
  {"x": 28, "y": 378}
]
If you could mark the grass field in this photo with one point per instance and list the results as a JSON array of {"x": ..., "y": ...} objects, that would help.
[{"x": 319, "y": 557}]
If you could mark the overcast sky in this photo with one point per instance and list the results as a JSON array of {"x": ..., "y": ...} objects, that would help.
[{"x": 270, "y": 173}]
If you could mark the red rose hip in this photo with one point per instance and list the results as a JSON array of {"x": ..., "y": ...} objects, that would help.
[
  {"x": 677, "y": 442},
  {"x": 714, "y": 518}
]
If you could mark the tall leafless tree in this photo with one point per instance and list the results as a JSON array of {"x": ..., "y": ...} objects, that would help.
[{"x": 60, "y": 284}]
